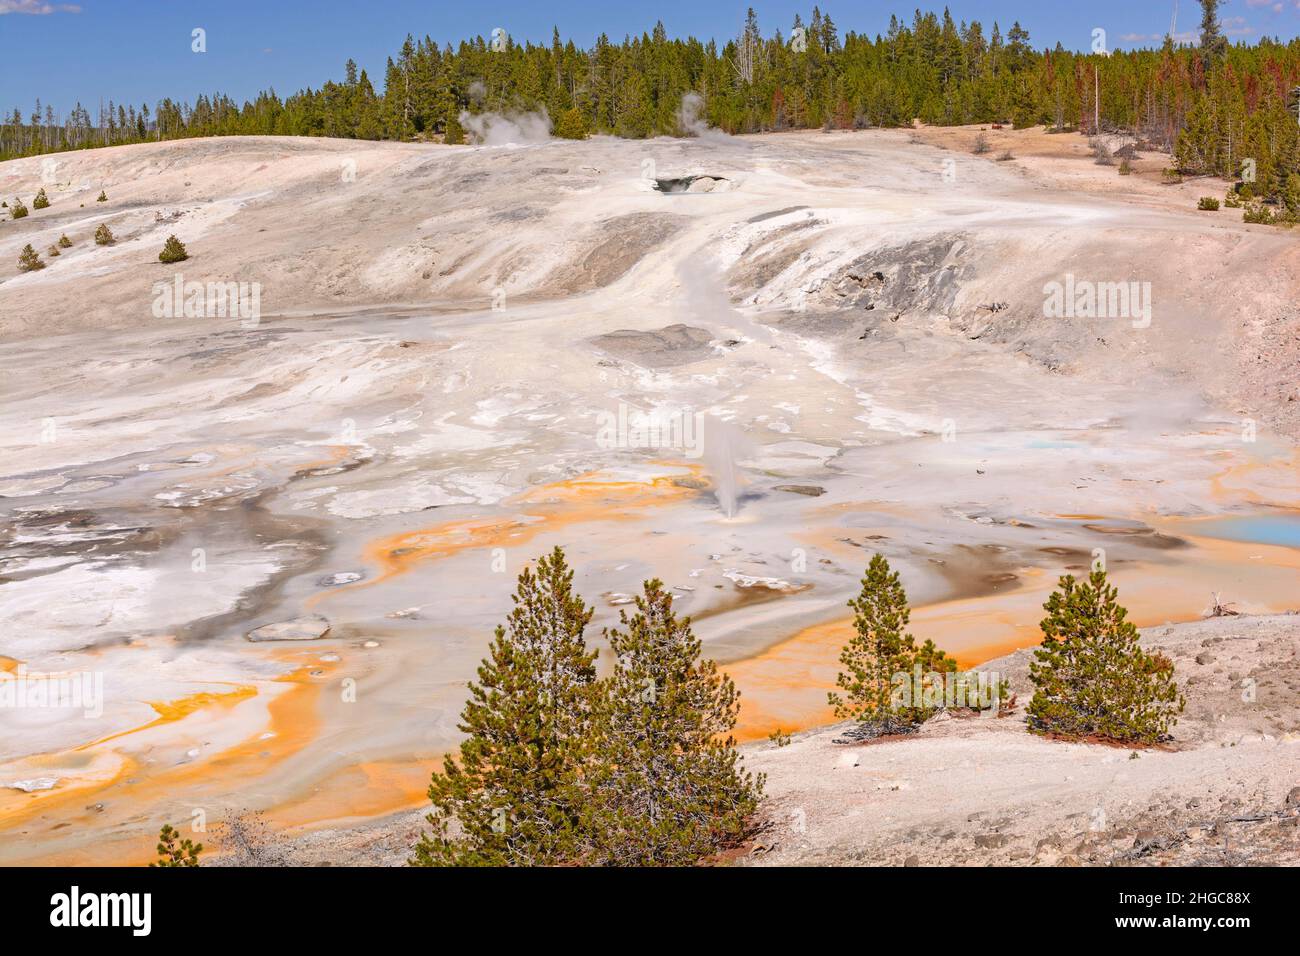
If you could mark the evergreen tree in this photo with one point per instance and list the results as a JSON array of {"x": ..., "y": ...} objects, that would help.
[
  {"x": 173, "y": 250},
  {"x": 65, "y": 242},
  {"x": 1290, "y": 194},
  {"x": 881, "y": 651},
  {"x": 172, "y": 851},
  {"x": 1218, "y": 102},
  {"x": 18, "y": 210},
  {"x": 1091, "y": 678},
  {"x": 1213, "y": 42},
  {"x": 877, "y": 651},
  {"x": 104, "y": 235},
  {"x": 453, "y": 132},
  {"x": 53, "y": 251},
  {"x": 571, "y": 124},
  {"x": 41, "y": 201},
  {"x": 513, "y": 797},
  {"x": 29, "y": 259},
  {"x": 665, "y": 784},
  {"x": 103, "y": 196}
]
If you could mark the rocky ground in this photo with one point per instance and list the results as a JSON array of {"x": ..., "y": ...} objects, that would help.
[
  {"x": 977, "y": 791},
  {"x": 283, "y": 540}
]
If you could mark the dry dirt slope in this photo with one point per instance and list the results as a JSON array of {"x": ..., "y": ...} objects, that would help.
[{"x": 974, "y": 792}]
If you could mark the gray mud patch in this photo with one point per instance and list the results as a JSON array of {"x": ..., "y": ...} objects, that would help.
[
  {"x": 918, "y": 277},
  {"x": 763, "y": 216},
  {"x": 617, "y": 245},
  {"x": 884, "y": 286},
  {"x": 672, "y": 345}
]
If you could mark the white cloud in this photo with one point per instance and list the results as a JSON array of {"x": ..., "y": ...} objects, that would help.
[
  {"x": 1183, "y": 36},
  {"x": 1236, "y": 26},
  {"x": 36, "y": 8},
  {"x": 1232, "y": 27}
]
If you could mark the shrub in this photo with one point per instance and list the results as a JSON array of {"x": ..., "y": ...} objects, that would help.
[
  {"x": 1171, "y": 176},
  {"x": 246, "y": 839},
  {"x": 175, "y": 852},
  {"x": 173, "y": 250},
  {"x": 1232, "y": 200},
  {"x": 1208, "y": 204},
  {"x": 981, "y": 145},
  {"x": 41, "y": 201},
  {"x": 65, "y": 242},
  {"x": 103, "y": 196},
  {"x": 1005, "y": 156},
  {"x": 1259, "y": 213},
  {"x": 52, "y": 251},
  {"x": 1091, "y": 677},
  {"x": 104, "y": 236},
  {"x": 1125, "y": 167},
  {"x": 29, "y": 260},
  {"x": 1100, "y": 151},
  {"x": 18, "y": 210}
]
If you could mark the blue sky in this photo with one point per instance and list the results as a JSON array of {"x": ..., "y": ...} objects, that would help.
[{"x": 139, "y": 50}]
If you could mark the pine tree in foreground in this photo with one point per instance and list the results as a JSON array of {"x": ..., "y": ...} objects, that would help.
[
  {"x": 18, "y": 210},
  {"x": 1091, "y": 677},
  {"x": 513, "y": 797},
  {"x": 29, "y": 260},
  {"x": 41, "y": 201},
  {"x": 104, "y": 235},
  {"x": 173, "y": 250},
  {"x": 665, "y": 782},
  {"x": 173, "y": 851},
  {"x": 880, "y": 649}
]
